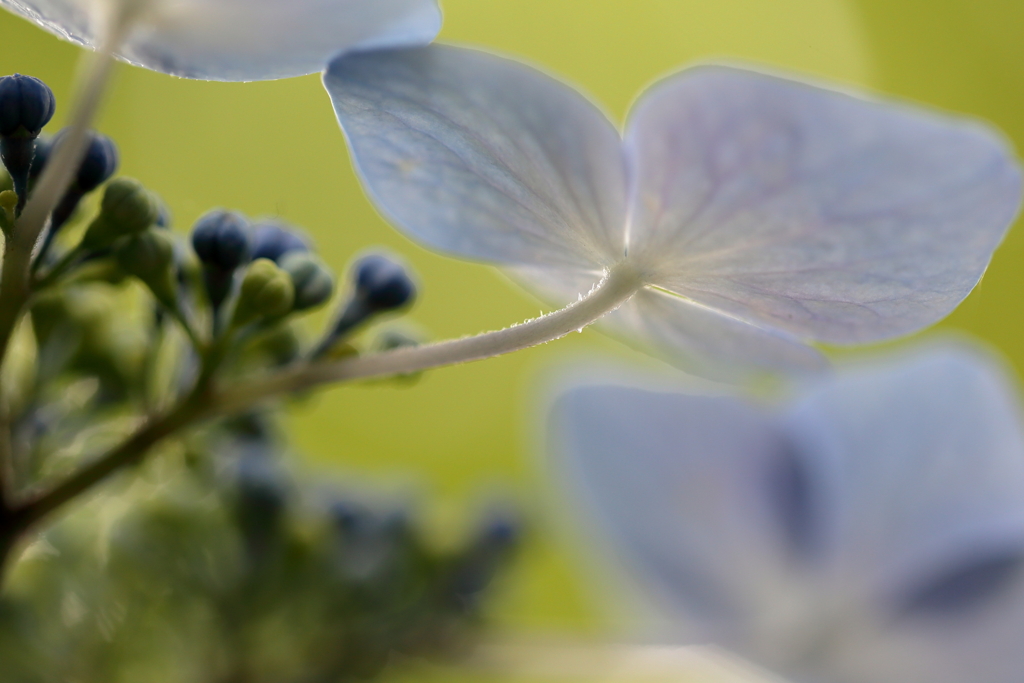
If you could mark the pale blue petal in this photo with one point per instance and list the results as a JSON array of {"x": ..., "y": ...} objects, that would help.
[
  {"x": 684, "y": 333},
  {"x": 707, "y": 342},
  {"x": 798, "y": 541},
  {"x": 927, "y": 456},
  {"x": 924, "y": 462},
  {"x": 242, "y": 40},
  {"x": 833, "y": 217},
  {"x": 675, "y": 483},
  {"x": 483, "y": 157}
]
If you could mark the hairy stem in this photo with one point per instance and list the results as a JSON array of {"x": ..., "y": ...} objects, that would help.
[
  {"x": 615, "y": 289},
  {"x": 205, "y": 403},
  {"x": 15, "y": 279}
]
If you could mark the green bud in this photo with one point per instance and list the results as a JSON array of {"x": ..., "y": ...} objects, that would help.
[
  {"x": 149, "y": 256},
  {"x": 127, "y": 208},
  {"x": 313, "y": 282},
  {"x": 266, "y": 292},
  {"x": 8, "y": 201}
]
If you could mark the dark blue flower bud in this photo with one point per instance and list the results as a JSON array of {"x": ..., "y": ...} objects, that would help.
[
  {"x": 500, "y": 530},
  {"x": 497, "y": 537},
  {"x": 98, "y": 165},
  {"x": 222, "y": 240},
  {"x": 26, "y": 105},
  {"x": 272, "y": 240},
  {"x": 382, "y": 283}
]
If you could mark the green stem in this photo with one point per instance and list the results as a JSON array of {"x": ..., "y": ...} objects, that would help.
[
  {"x": 59, "y": 269},
  {"x": 206, "y": 402},
  {"x": 129, "y": 452}
]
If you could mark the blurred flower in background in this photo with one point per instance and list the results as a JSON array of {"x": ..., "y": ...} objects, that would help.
[
  {"x": 871, "y": 532},
  {"x": 235, "y": 40}
]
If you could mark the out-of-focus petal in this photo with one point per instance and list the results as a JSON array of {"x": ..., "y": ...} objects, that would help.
[
  {"x": 873, "y": 533},
  {"x": 676, "y": 482},
  {"x": 924, "y": 462},
  {"x": 241, "y": 40},
  {"x": 484, "y": 157},
  {"x": 927, "y": 462},
  {"x": 833, "y": 217}
]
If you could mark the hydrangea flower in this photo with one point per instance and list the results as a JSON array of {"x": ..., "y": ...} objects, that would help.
[
  {"x": 750, "y": 214},
  {"x": 873, "y": 532},
  {"x": 237, "y": 40}
]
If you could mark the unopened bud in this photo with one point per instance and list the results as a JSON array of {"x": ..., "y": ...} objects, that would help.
[
  {"x": 98, "y": 165},
  {"x": 222, "y": 240},
  {"x": 382, "y": 283},
  {"x": 266, "y": 292},
  {"x": 26, "y": 105},
  {"x": 312, "y": 280},
  {"x": 149, "y": 256},
  {"x": 274, "y": 240},
  {"x": 127, "y": 209}
]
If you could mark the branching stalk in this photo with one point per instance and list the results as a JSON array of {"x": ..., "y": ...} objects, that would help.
[{"x": 203, "y": 404}]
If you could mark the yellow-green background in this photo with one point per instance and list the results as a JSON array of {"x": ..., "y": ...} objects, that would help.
[{"x": 274, "y": 148}]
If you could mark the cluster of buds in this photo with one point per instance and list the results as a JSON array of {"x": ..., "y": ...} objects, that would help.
[
  {"x": 269, "y": 575},
  {"x": 128, "y": 317},
  {"x": 232, "y": 285}
]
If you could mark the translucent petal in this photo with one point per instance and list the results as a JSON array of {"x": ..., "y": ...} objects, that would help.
[
  {"x": 675, "y": 482},
  {"x": 483, "y": 157},
  {"x": 927, "y": 464},
  {"x": 832, "y": 217},
  {"x": 241, "y": 40},
  {"x": 684, "y": 333},
  {"x": 873, "y": 533},
  {"x": 708, "y": 342}
]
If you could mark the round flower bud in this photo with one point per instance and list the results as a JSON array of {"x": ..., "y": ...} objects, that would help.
[
  {"x": 382, "y": 283},
  {"x": 312, "y": 280},
  {"x": 150, "y": 257},
  {"x": 97, "y": 166},
  {"x": 266, "y": 292},
  {"x": 222, "y": 240},
  {"x": 273, "y": 240},
  {"x": 127, "y": 208},
  {"x": 26, "y": 105},
  {"x": 99, "y": 163}
]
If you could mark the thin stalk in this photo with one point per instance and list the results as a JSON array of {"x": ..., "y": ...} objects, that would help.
[
  {"x": 203, "y": 403},
  {"x": 614, "y": 290},
  {"x": 15, "y": 287},
  {"x": 129, "y": 452}
]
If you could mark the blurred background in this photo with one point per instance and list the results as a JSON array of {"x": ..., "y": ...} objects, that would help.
[{"x": 462, "y": 434}]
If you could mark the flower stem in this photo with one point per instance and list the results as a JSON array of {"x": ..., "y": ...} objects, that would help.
[
  {"x": 206, "y": 402},
  {"x": 15, "y": 286},
  {"x": 614, "y": 290}
]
